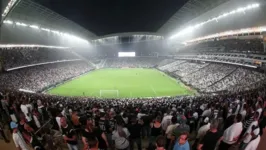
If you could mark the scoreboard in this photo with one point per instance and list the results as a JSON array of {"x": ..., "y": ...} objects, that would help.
[{"x": 126, "y": 54}]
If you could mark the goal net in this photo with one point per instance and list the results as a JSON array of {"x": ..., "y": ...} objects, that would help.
[{"x": 109, "y": 93}]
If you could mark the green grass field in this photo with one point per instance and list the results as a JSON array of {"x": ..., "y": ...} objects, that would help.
[{"x": 123, "y": 83}]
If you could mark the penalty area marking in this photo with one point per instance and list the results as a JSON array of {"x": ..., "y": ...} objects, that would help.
[{"x": 153, "y": 90}]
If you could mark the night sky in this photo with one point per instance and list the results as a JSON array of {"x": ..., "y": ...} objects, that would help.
[{"x": 104, "y": 17}]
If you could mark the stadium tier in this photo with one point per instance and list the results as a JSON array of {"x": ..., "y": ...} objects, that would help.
[
  {"x": 13, "y": 58},
  {"x": 59, "y": 66}
]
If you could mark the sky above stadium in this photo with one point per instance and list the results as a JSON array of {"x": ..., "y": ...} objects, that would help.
[{"x": 104, "y": 17}]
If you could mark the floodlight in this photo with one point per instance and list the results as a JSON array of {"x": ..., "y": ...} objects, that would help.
[
  {"x": 8, "y": 22},
  {"x": 229, "y": 33},
  {"x": 225, "y": 14},
  {"x": 34, "y": 26},
  {"x": 238, "y": 10},
  {"x": 21, "y": 24},
  {"x": 54, "y": 31},
  {"x": 232, "y": 12},
  {"x": 255, "y": 5},
  {"x": 8, "y": 7},
  {"x": 44, "y": 29},
  {"x": 66, "y": 35}
]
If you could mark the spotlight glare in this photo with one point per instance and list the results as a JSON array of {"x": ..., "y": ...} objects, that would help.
[
  {"x": 8, "y": 22},
  {"x": 238, "y": 10},
  {"x": 34, "y": 26},
  {"x": 44, "y": 29},
  {"x": 21, "y": 24}
]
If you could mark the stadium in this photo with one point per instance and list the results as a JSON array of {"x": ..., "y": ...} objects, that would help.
[{"x": 90, "y": 74}]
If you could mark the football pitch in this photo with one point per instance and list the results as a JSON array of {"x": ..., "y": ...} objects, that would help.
[{"x": 123, "y": 83}]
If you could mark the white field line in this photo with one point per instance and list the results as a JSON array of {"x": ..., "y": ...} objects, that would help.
[{"x": 153, "y": 90}]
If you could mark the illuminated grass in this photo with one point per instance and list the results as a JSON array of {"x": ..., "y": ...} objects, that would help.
[{"x": 130, "y": 83}]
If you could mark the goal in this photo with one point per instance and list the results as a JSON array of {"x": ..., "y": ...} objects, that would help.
[{"x": 109, "y": 93}]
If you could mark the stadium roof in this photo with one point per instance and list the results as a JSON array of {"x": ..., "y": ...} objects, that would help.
[
  {"x": 91, "y": 20},
  {"x": 104, "y": 17},
  {"x": 34, "y": 13},
  {"x": 191, "y": 10}
]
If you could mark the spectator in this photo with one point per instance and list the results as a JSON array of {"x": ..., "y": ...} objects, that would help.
[
  {"x": 36, "y": 119},
  {"x": 155, "y": 130},
  {"x": 120, "y": 137},
  {"x": 103, "y": 123},
  {"x": 146, "y": 129},
  {"x": 2, "y": 133},
  {"x": 75, "y": 119},
  {"x": 91, "y": 132},
  {"x": 169, "y": 131},
  {"x": 17, "y": 137},
  {"x": 202, "y": 131},
  {"x": 166, "y": 121},
  {"x": 182, "y": 127},
  {"x": 259, "y": 108},
  {"x": 262, "y": 123},
  {"x": 255, "y": 140},
  {"x": 247, "y": 136},
  {"x": 134, "y": 129},
  {"x": 232, "y": 133},
  {"x": 92, "y": 144},
  {"x": 211, "y": 138},
  {"x": 207, "y": 112},
  {"x": 182, "y": 142},
  {"x": 249, "y": 118},
  {"x": 25, "y": 108},
  {"x": 160, "y": 143},
  {"x": 69, "y": 135},
  {"x": 244, "y": 111}
]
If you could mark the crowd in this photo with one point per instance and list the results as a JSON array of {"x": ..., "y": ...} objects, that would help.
[
  {"x": 38, "y": 121},
  {"x": 188, "y": 68},
  {"x": 220, "y": 122},
  {"x": 39, "y": 77},
  {"x": 165, "y": 62},
  {"x": 171, "y": 66},
  {"x": 21, "y": 57},
  {"x": 240, "y": 78},
  {"x": 212, "y": 77}
]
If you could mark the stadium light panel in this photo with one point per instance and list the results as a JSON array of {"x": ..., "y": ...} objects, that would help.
[
  {"x": 34, "y": 26},
  {"x": 44, "y": 29},
  {"x": 8, "y": 22},
  {"x": 62, "y": 34},
  {"x": 21, "y": 24},
  {"x": 232, "y": 12},
  {"x": 8, "y": 7},
  {"x": 216, "y": 19},
  {"x": 54, "y": 31},
  {"x": 229, "y": 33}
]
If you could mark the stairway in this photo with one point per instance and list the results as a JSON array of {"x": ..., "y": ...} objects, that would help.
[{"x": 223, "y": 77}]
